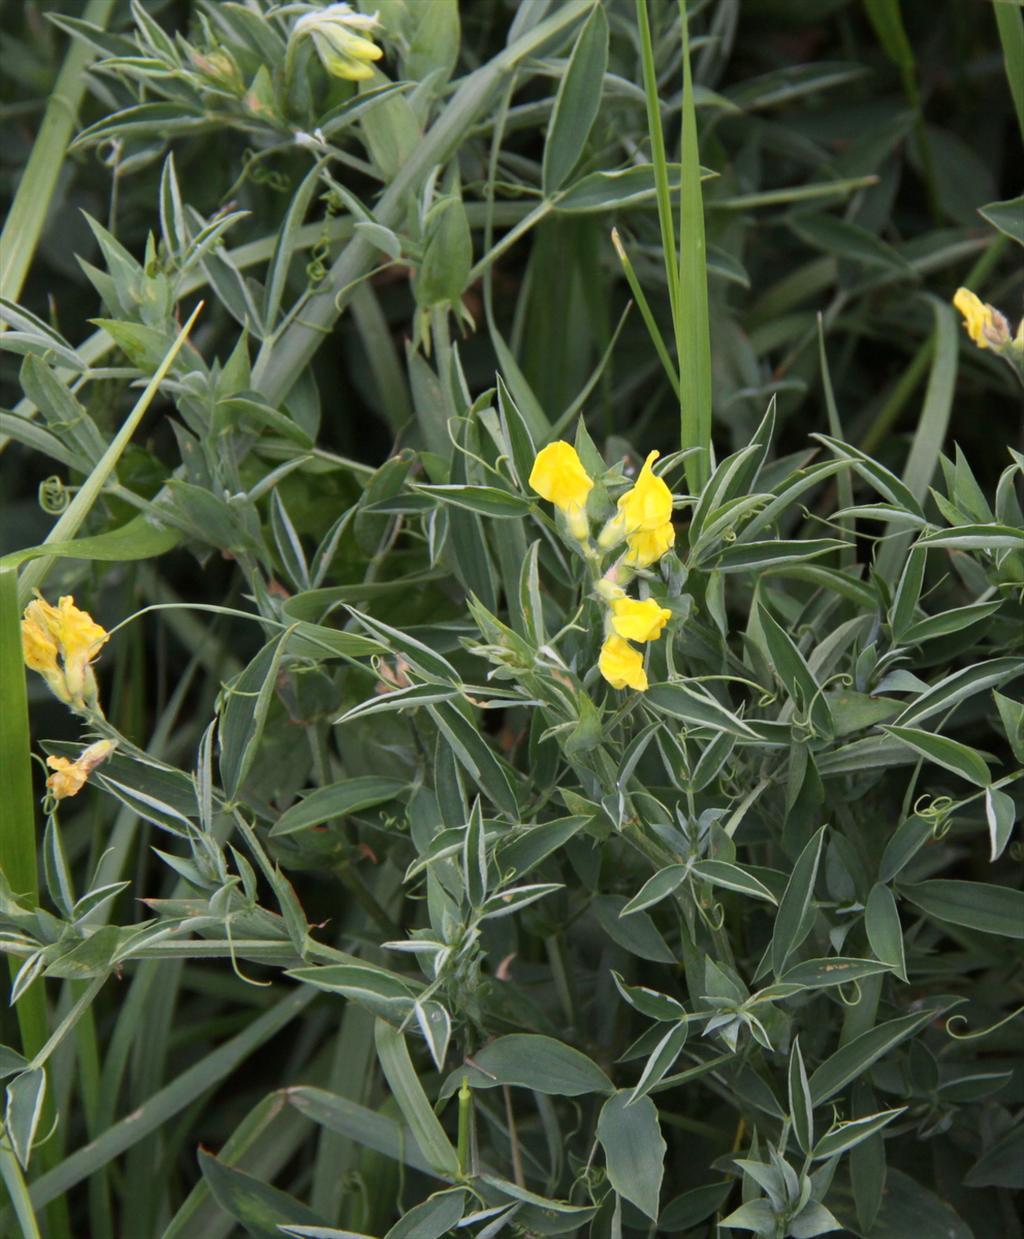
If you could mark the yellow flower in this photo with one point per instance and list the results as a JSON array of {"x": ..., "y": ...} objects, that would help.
[
  {"x": 60, "y": 643},
  {"x": 621, "y": 665},
  {"x": 645, "y": 508},
  {"x": 558, "y": 476},
  {"x": 639, "y": 621},
  {"x": 69, "y": 777},
  {"x": 343, "y": 52},
  {"x": 984, "y": 323},
  {"x": 647, "y": 546}
]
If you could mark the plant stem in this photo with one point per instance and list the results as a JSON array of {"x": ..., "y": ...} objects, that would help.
[{"x": 35, "y": 190}]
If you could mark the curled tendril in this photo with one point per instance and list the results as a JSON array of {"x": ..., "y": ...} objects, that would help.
[
  {"x": 982, "y": 1032},
  {"x": 252, "y": 170},
  {"x": 316, "y": 268},
  {"x": 54, "y": 496},
  {"x": 1016, "y": 852},
  {"x": 109, "y": 152},
  {"x": 855, "y": 994},
  {"x": 714, "y": 917},
  {"x": 937, "y": 812}
]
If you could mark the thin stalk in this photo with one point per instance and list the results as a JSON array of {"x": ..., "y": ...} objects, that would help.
[{"x": 32, "y": 201}]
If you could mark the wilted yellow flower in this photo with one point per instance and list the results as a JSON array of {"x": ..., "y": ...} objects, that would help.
[
  {"x": 69, "y": 777},
  {"x": 984, "y": 323},
  {"x": 60, "y": 643},
  {"x": 645, "y": 508},
  {"x": 622, "y": 665},
  {"x": 344, "y": 53},
  {"x": 647, "y": 546},
  {"x": 639, "y": 621}
]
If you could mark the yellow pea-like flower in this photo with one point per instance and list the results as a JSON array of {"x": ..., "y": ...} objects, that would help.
[
  {"x": 344, "y": 52},
  {"x": 60, "y": 642},
  {"x": 558, "y": 476},
  {"x": 648, "y": 546},
  {"x": 645, "y": 508},
  {"x": 984, "y": 323},
  {"x": 69, "y": 777},
  {"x": 638, "y": 621},
  {"x": 622, "y": 665}
]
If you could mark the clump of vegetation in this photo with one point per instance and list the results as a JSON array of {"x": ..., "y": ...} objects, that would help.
[{"x": 522, "y": 598}]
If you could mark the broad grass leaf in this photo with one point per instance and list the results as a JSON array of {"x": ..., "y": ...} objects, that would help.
[
  {"x": 974, "y": 905},
  {"x": 412, "y": 1100},
  {"x": 634, "y": 1150},
  {"x": 365, "y": 1127},
  {"x": 257, "y": 1206}
]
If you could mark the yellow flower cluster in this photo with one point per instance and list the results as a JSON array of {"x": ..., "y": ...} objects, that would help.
[
  {"x": 644, "y": 522},
  {"x": 61, "y": 642},
  {"x": 986, "y": 326},
  {"x": 338, "y": 34},
  {"x": 69, "y": 777}
]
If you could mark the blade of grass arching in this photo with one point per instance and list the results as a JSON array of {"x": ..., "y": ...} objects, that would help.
[
  {"x": 170, "y": 1100},
  {"x": 35, "y": 190},
  {"x": 693, "y": 333},
  {"x": 1010, "y": 21},
  {"x": 658, "y": 159},
  {"x": 844, "y": 483},
  {"x": 351, "y": 1072},
  {"x": 645, "y": 312},
  {"x": 382, "y": 357},
  {"x": 887, "y": 20},
  {"x": 17, "y": 1192},
  {"x": 930, "y": 433},
  {"x": 265, "y": 1140},
  {"x": 79, "y": 507}
]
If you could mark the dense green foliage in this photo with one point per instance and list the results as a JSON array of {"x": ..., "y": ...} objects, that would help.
[{"x": 388, "y": 915}]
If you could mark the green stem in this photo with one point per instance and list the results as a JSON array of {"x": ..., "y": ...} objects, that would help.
[{"x": 35, "y": 191}]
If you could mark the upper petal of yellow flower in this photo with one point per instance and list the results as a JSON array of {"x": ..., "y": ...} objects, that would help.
[
  {"x": 645, "y": 547},
  {"x": 558, "y": 476},
  {"x": 639, "y": 621},
  {"x": 39, "y": 648},
  {"x": 648, "y": 505},
  {"x": 977, "y": 315},
  {"x": 622, "y": 665},
  {"x": 344, "y": 53}
]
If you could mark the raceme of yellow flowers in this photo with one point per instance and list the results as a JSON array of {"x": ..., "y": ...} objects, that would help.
[
  {"x": 643, "y": 522},
  {"x": 61, "y": 642}
]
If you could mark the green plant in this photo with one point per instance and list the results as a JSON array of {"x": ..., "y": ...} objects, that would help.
[{"x": 474, "y": 831}]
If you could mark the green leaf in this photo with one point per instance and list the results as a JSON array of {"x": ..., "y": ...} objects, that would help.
[
  {"x": 882, "y": 922},
  {"x": 338, "y": 800},
  {"x": 634, "y": 1150},
  {"x": 487, "y": 500},
  {"x": 854, "y": 1058},
  {"x": 412, "y": 1101},
  {"x": 791, "y": 923},
  {"x": 842, "y": 1137},
  {"x": 732, "y": 877},
  {"x": 699, "y": 708},
  {"x": 432, "y": 1218},
  {"x": 974, "y": 905},
  {"x": 577, "y": 102},
  {"x": 260, "y": 1208},
  {"x": 960, "y": 758},
  {"x": 1001, "y": 814},
  {"x": 1007, "y": 216},
  {"x": 801, "y": 1109},
  {"x": 543, "y": 1064},
  {"x": 25, "y": 1095}
]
